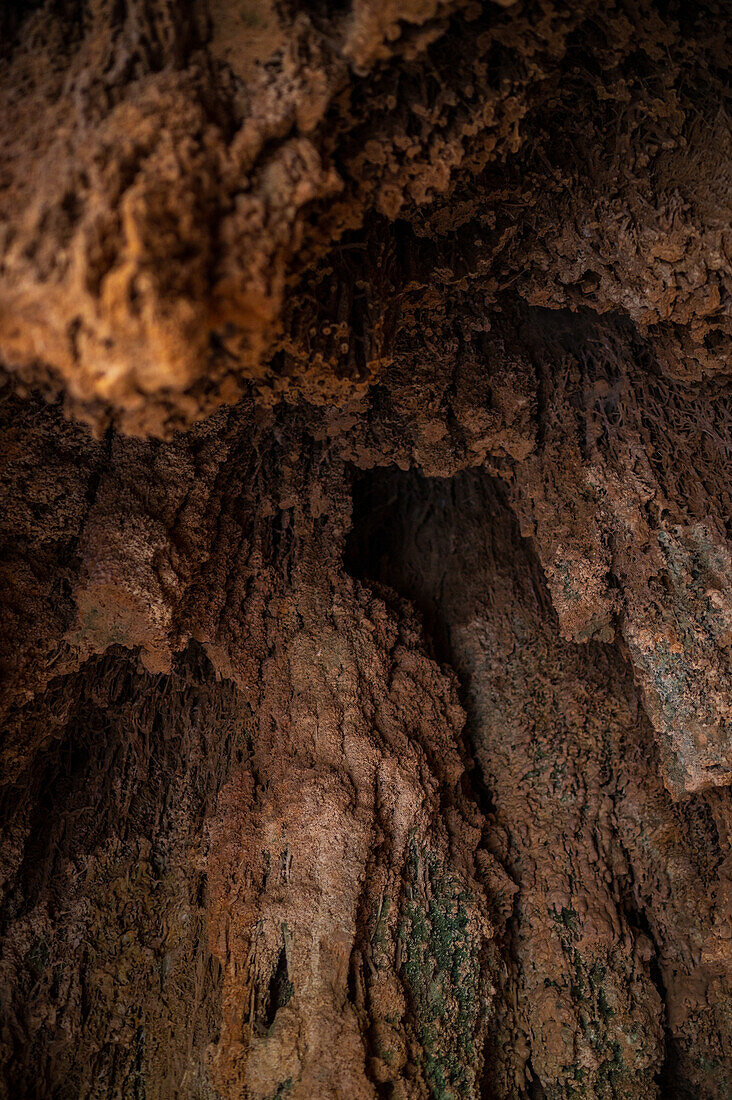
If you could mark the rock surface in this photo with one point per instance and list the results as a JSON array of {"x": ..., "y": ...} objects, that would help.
[{"x": 366, "y": 431}]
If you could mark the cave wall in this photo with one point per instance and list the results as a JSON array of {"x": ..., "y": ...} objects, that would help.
[{"x": 366, "y": 429}]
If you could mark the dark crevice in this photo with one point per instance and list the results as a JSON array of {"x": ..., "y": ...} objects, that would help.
[
  {"x": 279, "y": 992},
  {"x": 666, "y": 1077},
  {"x": 393, "y": 514},
  {"x": 535, "y": 1087}
]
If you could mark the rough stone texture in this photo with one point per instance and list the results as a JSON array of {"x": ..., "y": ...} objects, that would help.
[{"x": 365, "y": 543}]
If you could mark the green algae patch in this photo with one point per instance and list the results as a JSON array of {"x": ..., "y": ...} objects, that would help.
[{"x": 441, "y": 970}]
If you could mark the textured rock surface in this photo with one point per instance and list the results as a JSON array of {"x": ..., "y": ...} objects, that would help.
[{"x": 366, "y": 665}]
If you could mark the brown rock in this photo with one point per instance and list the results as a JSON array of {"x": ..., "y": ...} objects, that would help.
[{"x": 366, "y": 430}]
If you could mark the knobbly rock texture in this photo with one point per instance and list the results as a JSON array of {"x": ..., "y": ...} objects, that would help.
[{"x": 367, "y": 616}]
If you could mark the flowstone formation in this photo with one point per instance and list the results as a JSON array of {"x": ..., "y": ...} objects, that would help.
[{"x": 366, "y": 425}]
